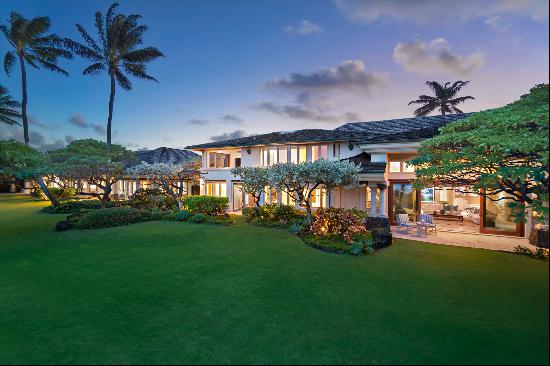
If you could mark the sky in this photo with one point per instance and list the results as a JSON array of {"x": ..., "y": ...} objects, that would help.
[{"x": 237, "y": 68}]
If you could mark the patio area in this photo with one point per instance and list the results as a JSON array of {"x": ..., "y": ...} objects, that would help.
[{"x": 466, "y": 239}]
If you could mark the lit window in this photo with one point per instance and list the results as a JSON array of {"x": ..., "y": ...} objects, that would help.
[
  {"x": 323, "y": 152},
  {"x": 294, "y": 154},
  {"x": 395, "y": 167},
  {"x": 303, "y": 154},
  {"x": 283, "y": 155},
  {"x": 216, "y": 189},
  {"x": 408, "y": 168},
  {"x": 318, "y": 198},
  {"x": 272, "y": 156},
  {"x": 218, "y": 160},
  {"x": 314, "y": 152},
  {"x": 336, "y": 150}
]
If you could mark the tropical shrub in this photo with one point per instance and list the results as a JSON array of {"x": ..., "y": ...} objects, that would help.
[
  {"x": 198, "y": 218},
  {"x": 539, "y": 253},
  {"x": 58, "y": 193},
  {"x": 207, "y": 205},
  {"x": 152, "y": 197},
  {"x": 337, "y": 221},
  {"x": 115, "y": 216},
  {"x": 271, "y": 214},
  {"x": 251, "y": 213},
  {"x": 183, "y": 215}
]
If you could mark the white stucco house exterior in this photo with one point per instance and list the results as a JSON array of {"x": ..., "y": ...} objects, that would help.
[{"x": 381, "y": 148}]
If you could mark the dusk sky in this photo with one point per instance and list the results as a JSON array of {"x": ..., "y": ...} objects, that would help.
[{"x": 235, "y": 68}]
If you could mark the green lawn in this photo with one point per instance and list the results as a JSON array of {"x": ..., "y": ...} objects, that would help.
[{"x": 168, "y": 292}]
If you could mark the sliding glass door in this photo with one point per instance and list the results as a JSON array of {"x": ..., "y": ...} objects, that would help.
[
  {"x": 497, "y": 217},
  {"x": 403, "y": 199}
]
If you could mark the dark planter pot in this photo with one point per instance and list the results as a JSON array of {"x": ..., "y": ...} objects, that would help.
[
  {"x": 539, "y": 237},
  {"x": 63, "y": 226}
]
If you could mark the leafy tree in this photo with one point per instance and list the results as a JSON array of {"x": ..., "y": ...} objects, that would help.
[
  {"x": 444, "y": 99},
  {"x": 24, "y": 162},
  {"x": 503, "y": 150},
  {"x": 33, "y": 46},
  {"x": 89, "y": 160},
  {"x": 170, "y": 178},
  {"x": 8, "y": 108},
  {"x": 300, "y": 180},
  {"x": 116, "y": 52},
  {"x": 253, "y": 181}
]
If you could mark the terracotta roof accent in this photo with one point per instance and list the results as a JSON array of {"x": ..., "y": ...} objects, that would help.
[
  {"x": 402, "y": 129},
  {"x": 367, "y": 166},
  {"x": 166, "y": 155}
]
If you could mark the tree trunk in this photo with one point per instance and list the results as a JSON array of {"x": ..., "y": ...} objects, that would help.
[
  {"x": 40, "y": 181},
  {"x": 106, "y": 193},
  {"x": 110, "y": 119},
  {"x": 24, "y": 100},
  {"x": 309, "y": 216},
  {"x": 46, "y": 191}
]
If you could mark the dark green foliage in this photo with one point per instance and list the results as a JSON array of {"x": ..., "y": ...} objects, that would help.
[
  {"x": 272, "y": 213},
  {"x": 71, "y": 207},
  {"x": 59, "y": 193},
  {"x": 207, "y": 205},
  {"x": 444, "y": 100},
  {"x": 116, "y": 216},
  {"x": 183, "y": 215},
  {"x": 152, "y": 197},
  {"x": 329, "y": 243},
  {"x": 225, "y": 220},
  {"x": 198, "y": 218},
  {"x": 169, "y": 216},
  {"x": 9, "y": 113}
]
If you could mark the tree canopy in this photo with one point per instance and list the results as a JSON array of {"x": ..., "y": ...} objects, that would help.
[
  {"x": 503, "y": 150},
  {"x": 253, "y": 181}
]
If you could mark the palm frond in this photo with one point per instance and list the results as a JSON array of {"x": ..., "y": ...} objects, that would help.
[
  {"x": 8, "y": 113},
  {"x": 37, "y": 26},
  {"x": 142, "y": 55},
  {"x": 83, "y": 51},
  {"x": 88, "y": 39},
  {"x": 123, "y": 80},
  {"x": 100, "y": 28},
  {"x": 138, "y": 70},
  {"x": 459, "y": 100},
  {"x": 94, "y": 69},
  {"x": 9, "y": 62},
  {"x": 425, "y": 110},
  {"x": 51, "y": 66}
]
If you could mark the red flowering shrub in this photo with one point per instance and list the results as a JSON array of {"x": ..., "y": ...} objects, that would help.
[{"x": 337, "y": 221}]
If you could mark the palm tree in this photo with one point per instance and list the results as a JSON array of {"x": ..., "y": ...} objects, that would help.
[
  {"x": 31, "y": 45},
  {"x": 8, "y": 111},
  {"x": 444, "y": 99},
  {"x": 116, "y": 52}
]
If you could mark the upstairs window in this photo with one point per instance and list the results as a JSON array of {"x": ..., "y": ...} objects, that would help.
[{"x": 218, "y": 160}]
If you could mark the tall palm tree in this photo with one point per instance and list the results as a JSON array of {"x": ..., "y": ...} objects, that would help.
[
  {"x": 444, "y": 99},
  {"x": 31, "y": 45},
  {"x": 8, "y": 108},
  {"x": 116, "y": 52}
]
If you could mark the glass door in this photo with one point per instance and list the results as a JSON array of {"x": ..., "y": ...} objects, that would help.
[
  {"x": 497, "y": 217},
  {"x": 403, "y": 199},
  {"x": 238, "y": 199}
]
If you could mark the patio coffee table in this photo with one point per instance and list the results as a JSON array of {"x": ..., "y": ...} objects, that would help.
[{"x": 441, "y": 216}]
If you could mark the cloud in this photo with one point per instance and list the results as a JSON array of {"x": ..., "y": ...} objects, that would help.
[
  {"x": 435, "y": 57},
  {"x": 303, "y": 113},
  {"x": 35, "y": 121},
  {"x": 349, "y": 75},
  {"x": 497, "y": 23},
  {"x": 79, "y": 121},
  {"x": 229, "y": 135},
  {"x": 231, "y": 118},
  {"x": 198, "y": 121},
  {"x": 305, "y": 27},
  {"x": 440, "y": 11},
  {"x": 69, "y": 139},
  {"x": 36, "y": 139}
]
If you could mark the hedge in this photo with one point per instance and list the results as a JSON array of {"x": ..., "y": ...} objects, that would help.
[
  {"x": 116, "y": 216},
  {"x": 206, "y": 205}
]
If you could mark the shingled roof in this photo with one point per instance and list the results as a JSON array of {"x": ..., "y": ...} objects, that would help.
[
  {"x": 402, "y": 129},
  {"x": 166, "y": 155},
  {"x": 308, "y": 135}
]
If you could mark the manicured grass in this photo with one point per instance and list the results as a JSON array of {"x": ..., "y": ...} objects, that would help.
[{"x": 171, "y": 292}]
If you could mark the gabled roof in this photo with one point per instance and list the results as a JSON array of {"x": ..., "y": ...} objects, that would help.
[
  {"x": 402, "y": 129},
  {"x": 367, "y": 166},
  {"x": 166, "y": 155},
  {"x": 308, "y": 135}
]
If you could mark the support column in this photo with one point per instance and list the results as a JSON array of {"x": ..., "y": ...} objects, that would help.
[
  {"x": 373, "y": 189},
  {"x": 382, "y": 188}
]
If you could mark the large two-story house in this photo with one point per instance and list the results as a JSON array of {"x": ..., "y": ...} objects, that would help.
[{"x": 382, "y": 149}]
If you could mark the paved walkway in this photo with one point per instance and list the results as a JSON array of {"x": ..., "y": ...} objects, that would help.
[{"x": 472, "y": 240}]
